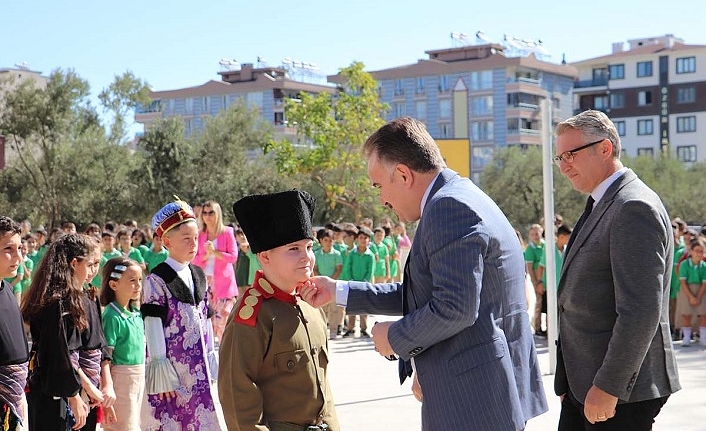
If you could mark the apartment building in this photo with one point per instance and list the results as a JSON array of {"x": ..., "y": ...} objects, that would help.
[
  {"x": 654, "y": 90},
  {"x": 483, "y": 94},
  {"x": 261, "y": 88}
]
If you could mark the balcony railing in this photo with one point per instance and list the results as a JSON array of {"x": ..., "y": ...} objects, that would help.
[
  {"x": 595, "y": 82},
  {"x": 155, "y": 106}
]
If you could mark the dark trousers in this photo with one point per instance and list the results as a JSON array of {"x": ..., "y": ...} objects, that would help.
[{"x": 637, "y": 416}]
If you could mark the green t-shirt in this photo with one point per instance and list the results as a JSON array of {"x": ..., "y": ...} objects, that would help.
[
  {"x": 125, "y": 333},
  {"x": 26, "y": 281},
  {"x": 254, "y": 267},
  {"x": 346, "y": 273},
  {"x": 340, "y": 246},
  {"x": 34, "y": 257},
  {"x": 16, "y": 281},
  {"x": 326, "y": 262},
  {"x": 360, "y": 265},
  {"x": 558, "y": 258},
  {"x": 380, "y": 263},
  {"x": 533, "y": 254},
  {"x": 133, "y": 254},
  {"x": 154, "y": 258},
  {"x": 674, "y": 285},
  {"x": 143, "y": 249},
  {"x": 693, "y": 274},
  {"x": 392, "y": 247}
]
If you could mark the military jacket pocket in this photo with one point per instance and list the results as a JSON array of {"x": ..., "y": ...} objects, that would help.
[{"x": 291, "y": 361}]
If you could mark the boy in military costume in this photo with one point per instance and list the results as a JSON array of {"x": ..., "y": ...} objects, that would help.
[{"x": 274, "y": 352}]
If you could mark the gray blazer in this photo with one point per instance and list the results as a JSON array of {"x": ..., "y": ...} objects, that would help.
[
  {"x": 465, "y": 321},
  {"x": 614, "y": 299}
]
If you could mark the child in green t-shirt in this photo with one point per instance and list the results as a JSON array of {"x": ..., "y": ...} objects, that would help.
[
  {"x": 381, "y": 273},
  {"x": 691, "y": 302},
  {"x": 125, "y": 338},
  {"x": 127, "y": 250},
  {"x": 156, "y": 254}
]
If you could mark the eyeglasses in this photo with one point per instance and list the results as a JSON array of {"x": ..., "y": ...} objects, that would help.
[
  {"x": 208, "y": 212},
  {"x": 568, "y": 156}
]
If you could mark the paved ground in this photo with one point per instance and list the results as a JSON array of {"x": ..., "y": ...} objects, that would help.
[
  {"x": 369, "y": 397},
  {"x": 368, "y": 394}
]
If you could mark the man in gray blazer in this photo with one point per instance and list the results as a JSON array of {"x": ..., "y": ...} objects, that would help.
[
  {"x": 616, "y": 367},
  {"x": 465, "y": 323}
]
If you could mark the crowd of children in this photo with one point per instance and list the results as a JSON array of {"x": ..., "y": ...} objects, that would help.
[{"x": 120, "y": 330}]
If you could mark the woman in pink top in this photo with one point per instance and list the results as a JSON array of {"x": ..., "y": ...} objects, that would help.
[{"x": 216, "y": 254}]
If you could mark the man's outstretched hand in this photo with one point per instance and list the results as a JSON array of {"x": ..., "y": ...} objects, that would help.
[{"x": 318, "y": 291}]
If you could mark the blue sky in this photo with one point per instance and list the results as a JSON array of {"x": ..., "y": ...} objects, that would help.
[{"x": 179, "y": 43}]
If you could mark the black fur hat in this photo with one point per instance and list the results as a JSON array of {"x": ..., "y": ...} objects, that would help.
[{"x": 276, "y": 219}]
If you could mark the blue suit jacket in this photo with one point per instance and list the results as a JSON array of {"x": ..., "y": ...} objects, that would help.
[{"x": 465, "y": 320}]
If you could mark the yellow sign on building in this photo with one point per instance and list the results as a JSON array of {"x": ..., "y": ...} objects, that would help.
[{"x": 457, "y": 154}]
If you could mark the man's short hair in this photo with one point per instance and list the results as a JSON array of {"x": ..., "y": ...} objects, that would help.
[
  {"x": 593, "y": 125},
  {"x": 405, "y": 140}
]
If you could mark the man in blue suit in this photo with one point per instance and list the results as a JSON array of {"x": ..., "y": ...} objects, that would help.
[{"x": 465, "y": 324}]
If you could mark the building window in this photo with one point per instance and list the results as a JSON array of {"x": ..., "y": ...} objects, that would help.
[
  {"x": 399, "y": 87},
  {"x": 686, "y": 65},
  {"x": 644, "y": 98},
  {"x": 444, "y": 130},
  {"x": 421, "y": 108},
  {"x": 617, "y": 71},
  {"x": 482, "y": 80},
  {"x": 420, "y": 85},
  {"x": 686, "y": 95},
  {"x": 644, "y": 68},
  {"x": 686, "y": 124},
  {"x": 380, "y": 93},
  {"x": 400, "y": 110},
  {"x": 481, "y": 156},
  {"x": 617, "y": 100},
  {"x": 254, "y": 100},
  {"x": 600, "y": 103},
  {"x": 204, "y": 105},
  {"x": 556, "y": 102},
  {"x": 482, "y": 131},
  {"x": 444, "y": 84},
  {"x": 445, "y": 108},
  {"x": 600, "y": 76},
  {"x": 644, "y": 127},
  {"x": 645, "y": 152},
  {"x": 189, "y": 105},
  {"x": 686, "y": 153},
  {"x": 620, "y": 126},
  {"x": 482, "y": 105},
  {"x": 279, "y": 118}
]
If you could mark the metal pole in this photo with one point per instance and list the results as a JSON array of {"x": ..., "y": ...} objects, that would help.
[{"x": 549, "y": 239}]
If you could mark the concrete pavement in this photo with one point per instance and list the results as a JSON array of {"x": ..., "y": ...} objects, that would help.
[{"x": 368, "y": 394}]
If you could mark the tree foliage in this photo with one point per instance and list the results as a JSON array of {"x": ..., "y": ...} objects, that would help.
[
  {"x": 122, "y": 96},
  {"x": 333, "y": 128},
  {"x": 67, "y": 165},
  {"x": 514, "y": 181}
]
